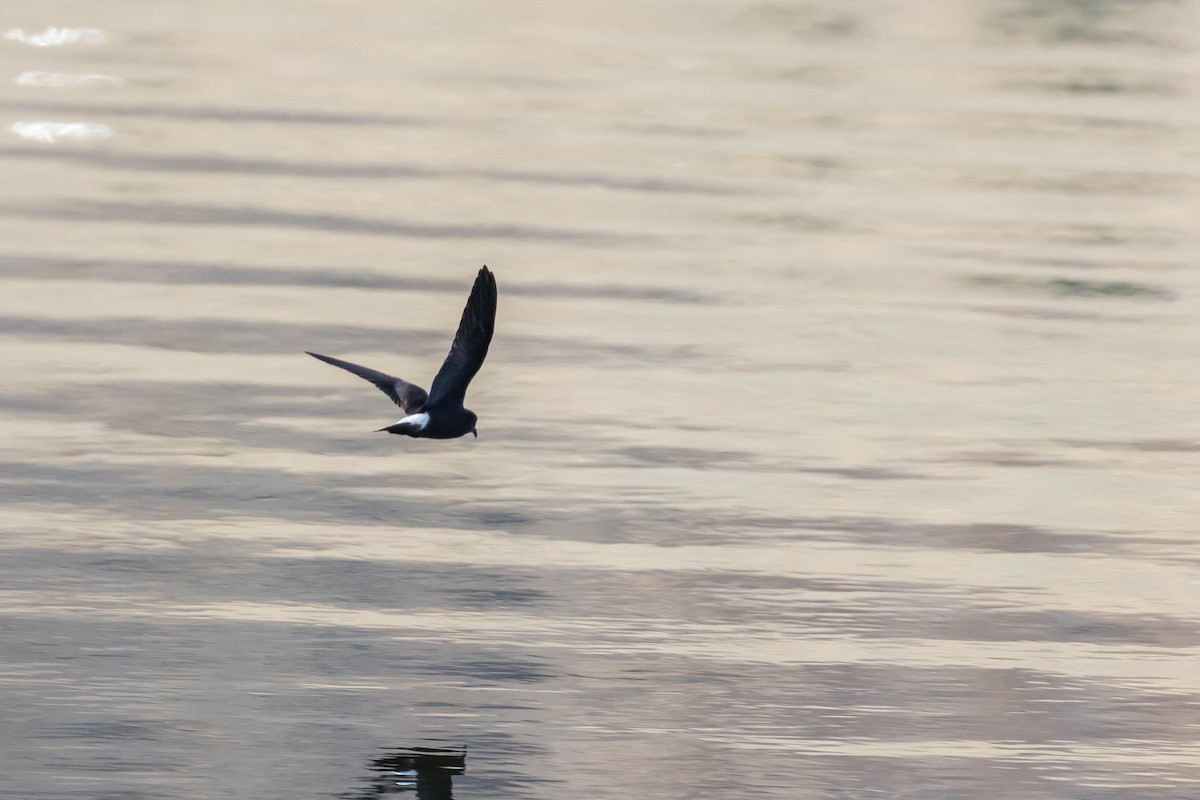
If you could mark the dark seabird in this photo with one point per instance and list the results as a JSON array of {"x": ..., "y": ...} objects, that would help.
[{"x": 439, "y": 414}]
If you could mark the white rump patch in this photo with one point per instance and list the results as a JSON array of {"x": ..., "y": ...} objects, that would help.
[{"x": 418, "y": 421}]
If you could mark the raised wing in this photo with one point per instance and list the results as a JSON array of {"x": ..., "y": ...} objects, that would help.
[
  {"x": 408, "y": 396},
  {"x": 470, "y": 344}
]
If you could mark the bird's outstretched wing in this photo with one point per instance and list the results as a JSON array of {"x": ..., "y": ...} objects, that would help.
[
  {"x": 470, "y": 344},
  {"x": 408, "y": 396}
]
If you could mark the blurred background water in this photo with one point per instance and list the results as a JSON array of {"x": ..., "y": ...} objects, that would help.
[{"x": 839, "y": 437}]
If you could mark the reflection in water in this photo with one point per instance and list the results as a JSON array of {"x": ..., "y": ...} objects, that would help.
[
  {"x": 1084, "y": 21},
  {"x": 62, "y": 79},
  {"x": 1075, "y": 287},
  {"x": 51, "y": 132},
  {"x": 428, "y": 771},
  {"x": 57, "y": 37},
  {"x": 845, "y": 420}
]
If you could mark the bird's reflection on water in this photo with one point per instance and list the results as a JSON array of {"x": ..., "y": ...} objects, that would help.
[
  {"x": 937, "y": 540},
  {"x": 428, "y": 771}
]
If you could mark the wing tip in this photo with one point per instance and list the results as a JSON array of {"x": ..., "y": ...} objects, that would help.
[
  {"x": 485, "y": 287},
  {"x": 327, "y": 359}
]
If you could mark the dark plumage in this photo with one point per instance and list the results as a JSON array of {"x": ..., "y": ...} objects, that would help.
[{"x": 439, "y": 414}]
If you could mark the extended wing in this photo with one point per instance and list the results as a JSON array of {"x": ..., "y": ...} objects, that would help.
[
  {"x": 410, "y": 397},
  {"x": 470, "y": 344}
]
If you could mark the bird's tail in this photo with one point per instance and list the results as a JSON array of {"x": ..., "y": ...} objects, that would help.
[{"x": 403, "y": 428}]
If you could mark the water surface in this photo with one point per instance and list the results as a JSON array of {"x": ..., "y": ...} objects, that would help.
[{"x": 838, "y": 439}]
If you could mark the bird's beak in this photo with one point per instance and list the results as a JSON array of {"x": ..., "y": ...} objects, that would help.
[{"x": 475, "y": 433}]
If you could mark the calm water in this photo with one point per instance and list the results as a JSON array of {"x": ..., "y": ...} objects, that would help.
[{"x": 840, "y": 437}]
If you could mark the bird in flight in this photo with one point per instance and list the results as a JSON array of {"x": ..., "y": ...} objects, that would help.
[{"x": 439, "y": 414}]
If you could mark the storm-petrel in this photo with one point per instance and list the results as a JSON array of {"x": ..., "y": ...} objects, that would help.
[{"x": 439, "y": 414}]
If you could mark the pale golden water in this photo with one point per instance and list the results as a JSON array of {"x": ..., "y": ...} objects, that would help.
[{"x": 839, "y": 438}]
